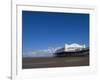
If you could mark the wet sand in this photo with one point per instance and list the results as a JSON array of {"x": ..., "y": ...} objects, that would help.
[{"x": 28, "y": 63}]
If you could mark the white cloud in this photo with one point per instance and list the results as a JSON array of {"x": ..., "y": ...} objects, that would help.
[{"x": 41, "y": 53}]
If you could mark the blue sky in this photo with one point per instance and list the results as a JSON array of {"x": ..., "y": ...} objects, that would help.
[{"x": 41, "y": 30}]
